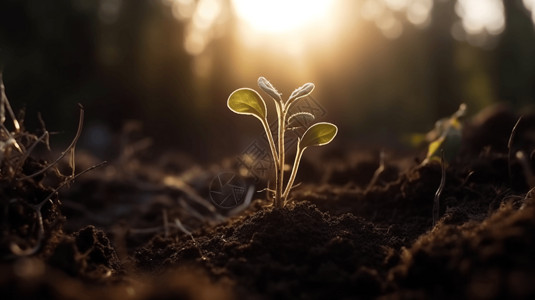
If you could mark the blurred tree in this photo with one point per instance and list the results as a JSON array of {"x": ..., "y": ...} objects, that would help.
[
  {"x": 48, "y": 58},
  {"x": 127, "y": 60},
  {"x": 516, "y": 57}
]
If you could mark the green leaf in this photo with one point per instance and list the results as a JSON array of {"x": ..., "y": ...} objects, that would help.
[
  {"x": 318, "y": 134},
  {"x": 247, "y": 101},
  {"x": 434, "y": 147}
]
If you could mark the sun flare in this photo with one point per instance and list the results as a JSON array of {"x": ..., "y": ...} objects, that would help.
[{"x": 278, "y": 16}]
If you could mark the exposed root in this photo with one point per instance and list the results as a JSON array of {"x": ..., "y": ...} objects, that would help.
[
  {"x": 378, "y": 171},
  {"x": 23, "y": 194},
  {"x": 70, "y": 149},
  {"x": 183, "y": 229}
]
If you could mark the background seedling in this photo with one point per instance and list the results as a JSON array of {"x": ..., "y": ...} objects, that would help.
[
  {"x": 247, "y": 101},
  {"x": 446, "y": 136},
  {"x": 436, "y": 199}
]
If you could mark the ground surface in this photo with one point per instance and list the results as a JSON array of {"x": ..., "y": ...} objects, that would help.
[{"x": 113, "y": 234}]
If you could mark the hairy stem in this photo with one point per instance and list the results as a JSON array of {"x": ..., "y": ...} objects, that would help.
[
  {"x": 297, "y": 159},
  {"x": 271, "y": 142},
  {"x": 279, "y": 172},
  {"x": 273, "y": 152}
]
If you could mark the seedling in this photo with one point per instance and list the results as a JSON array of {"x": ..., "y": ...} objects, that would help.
[
  {"x": 246, "y": 101},
  {"x": 446, "y": 136}
]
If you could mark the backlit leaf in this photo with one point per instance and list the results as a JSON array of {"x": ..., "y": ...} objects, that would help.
[
  {"x": 247, "y": 101},
  {"x": 301, "y": 92},
  {"x": 267, "y": 87},
  {"x": 434, "y": 147},
  {"x": 318, "y": 134},
  {"x": 300, "y": 119}
]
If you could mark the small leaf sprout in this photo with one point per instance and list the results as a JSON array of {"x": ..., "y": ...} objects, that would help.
[
  {"x": 246, "y": 101},
  {"x": 446, "y": 136}
]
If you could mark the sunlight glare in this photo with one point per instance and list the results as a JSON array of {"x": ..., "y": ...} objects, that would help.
[{"x": 277, "y": 16}]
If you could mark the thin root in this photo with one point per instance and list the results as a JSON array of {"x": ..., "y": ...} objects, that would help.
[{"x": 69, "y": 149}]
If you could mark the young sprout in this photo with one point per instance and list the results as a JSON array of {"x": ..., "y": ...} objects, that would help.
[
  {"x": 446, "y": 136},
  {"x": 247, "y": 101}
]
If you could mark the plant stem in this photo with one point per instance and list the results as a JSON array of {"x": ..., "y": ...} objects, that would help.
[
  {"x": 281, "y": 116},
  {"x": 273, "y": 152},
  {"x": 5, "y": 102},
  {"x": 271, "y": 142},
  {"x": 436, "y": 200},
  {"x": 297, "y": 159}
]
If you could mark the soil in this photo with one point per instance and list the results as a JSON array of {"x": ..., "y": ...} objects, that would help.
[{"x": 143, "y": 227}]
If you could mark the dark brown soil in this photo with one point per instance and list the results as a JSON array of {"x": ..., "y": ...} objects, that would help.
[{"x": 113, "y": 234}]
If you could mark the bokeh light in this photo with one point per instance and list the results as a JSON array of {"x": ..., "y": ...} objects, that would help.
[
  {"x": 480, "y": 20},
  {"x": 379, "y": 65},
  {"x": 109, "y": 10},
  {"x": 387, "y": 14},
  {"x": 530, "y": 5},
  {"x": 203, "y": 17}
]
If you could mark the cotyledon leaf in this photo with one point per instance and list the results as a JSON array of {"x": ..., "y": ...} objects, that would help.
[
  {"x": 318, "y": 134},
  {"x": 247, "y": 101},
  {"x": 301, "y": 92},
  {"x": 265, "y": 85},
  {"x": 300, "y": 119}
]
